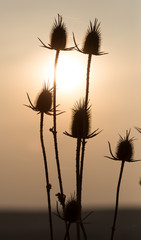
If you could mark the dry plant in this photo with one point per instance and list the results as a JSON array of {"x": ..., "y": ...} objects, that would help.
[{"x": 80, "y": 129}]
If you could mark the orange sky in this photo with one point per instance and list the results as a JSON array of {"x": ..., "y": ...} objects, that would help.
[{"x": 114, "y": 94}]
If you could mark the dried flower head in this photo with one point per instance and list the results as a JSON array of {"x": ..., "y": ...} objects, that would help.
[
  {"x": 80, "y": 120},
  {"x": 44, "y": 101},
  {"x": 92, "y": 40},
  {"x": 71, "y": 210},
  {"x": 124, "y": 149},
  {"x": 58, "y": 37},
  {"x": 80, "y": 127}
]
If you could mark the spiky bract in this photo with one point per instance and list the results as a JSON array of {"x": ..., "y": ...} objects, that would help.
[
  {"x": 92, "y": 39},
  {"x": 71, "y": 210},
  {"x": 43, "y": 102},
  {"x": 58, "y": 35},
  {"x": 80, "y": 121},
  {"x": 125, "y": 148}
]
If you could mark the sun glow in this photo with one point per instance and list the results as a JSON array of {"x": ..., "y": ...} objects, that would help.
[{"x": 70, "y": 72}]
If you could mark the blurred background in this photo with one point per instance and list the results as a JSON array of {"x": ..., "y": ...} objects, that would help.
[{"x": 115, "y": 88}]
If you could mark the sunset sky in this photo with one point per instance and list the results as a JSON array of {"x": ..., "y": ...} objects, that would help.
[{"x": 115, "y": 96}]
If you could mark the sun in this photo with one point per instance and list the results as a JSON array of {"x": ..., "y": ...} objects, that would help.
[{"x": 70, "y": 72}]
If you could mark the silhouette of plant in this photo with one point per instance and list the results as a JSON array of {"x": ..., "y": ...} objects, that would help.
[
  {"x": 71, "y": 215},
  {"x": 80, "y": 128},
  {"x": 57, "y": 42},
  {"x": 124, "y": 154},
  {"x": 91, "y": 47},
  {"x": 43, "y": 105}
]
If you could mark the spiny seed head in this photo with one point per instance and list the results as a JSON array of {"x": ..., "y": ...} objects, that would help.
[
  {"x": 80, "y": 121},
  {"x": 125, "y": 149},
  {"x": 44, "y": 101},
  {"x": 71, "y": 210},
  {"x": 92, "y": 39},
  {"x": 58, "y": 35}
]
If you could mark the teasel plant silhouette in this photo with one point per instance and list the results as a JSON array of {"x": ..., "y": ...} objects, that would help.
[
  {"x": 124, "y": 153},
  {"x": 80, "y": 129},
  {"x": 58, "y": 43},
  {"x": 71, "y": 215},
  {"x": 44, "y": 106},
  {"x": 91, "y": 46}
]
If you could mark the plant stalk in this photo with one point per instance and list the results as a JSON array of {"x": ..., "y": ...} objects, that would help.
[
  {"x": 48, "y": 185},
  {"x": 87, "y": 80},
  {"x": 67, "y": 231},
  {"x": 55, "y": 129},
  {"x": 78, "y": 183},
  {"x": 86, "y": 105},
  {"x": 81, "y": 168},
  {"x": 78, "y": 166},
  {"x": 83, "y": 141},
  {"x": 117, "y": 200}
]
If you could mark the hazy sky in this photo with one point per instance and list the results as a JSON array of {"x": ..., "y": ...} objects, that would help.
[{"x": 115, "y": 86}]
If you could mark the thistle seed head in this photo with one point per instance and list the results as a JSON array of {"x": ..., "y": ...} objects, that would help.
[
  {"x": 93, "y": 39},
  {"x": 80, "y": 121},
  {"x": 71, "y": 210},
  {"x": 125, "y": 148},
  {"x": 44, "y": 101},
  {"x": 58, "y": 35}
]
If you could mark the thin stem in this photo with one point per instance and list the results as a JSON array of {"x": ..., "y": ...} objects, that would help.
[
  {"x": 117, "y": 200},
  {"x": 87, "y": 80},
  {"x": 86, "y": 105},
  {"x": 84, "y": 142},
  {"x": 78, "y": 183},
  {"x": 78, "y": 166},
  {"x": 67, "y": 231},
  {"x": 54, "y": 131},
  {"x": 48, "y": 185},
  {"x": 81, "y": 168},
  {"x": 54, "y": 128},
  {"x": 83, "y": 230}
]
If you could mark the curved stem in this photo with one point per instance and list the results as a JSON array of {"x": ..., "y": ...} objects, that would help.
[
  {"x": 48, "y": 186},
  {"x": 117, "y": 200},
  {"x": 55, "y": 131}
]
